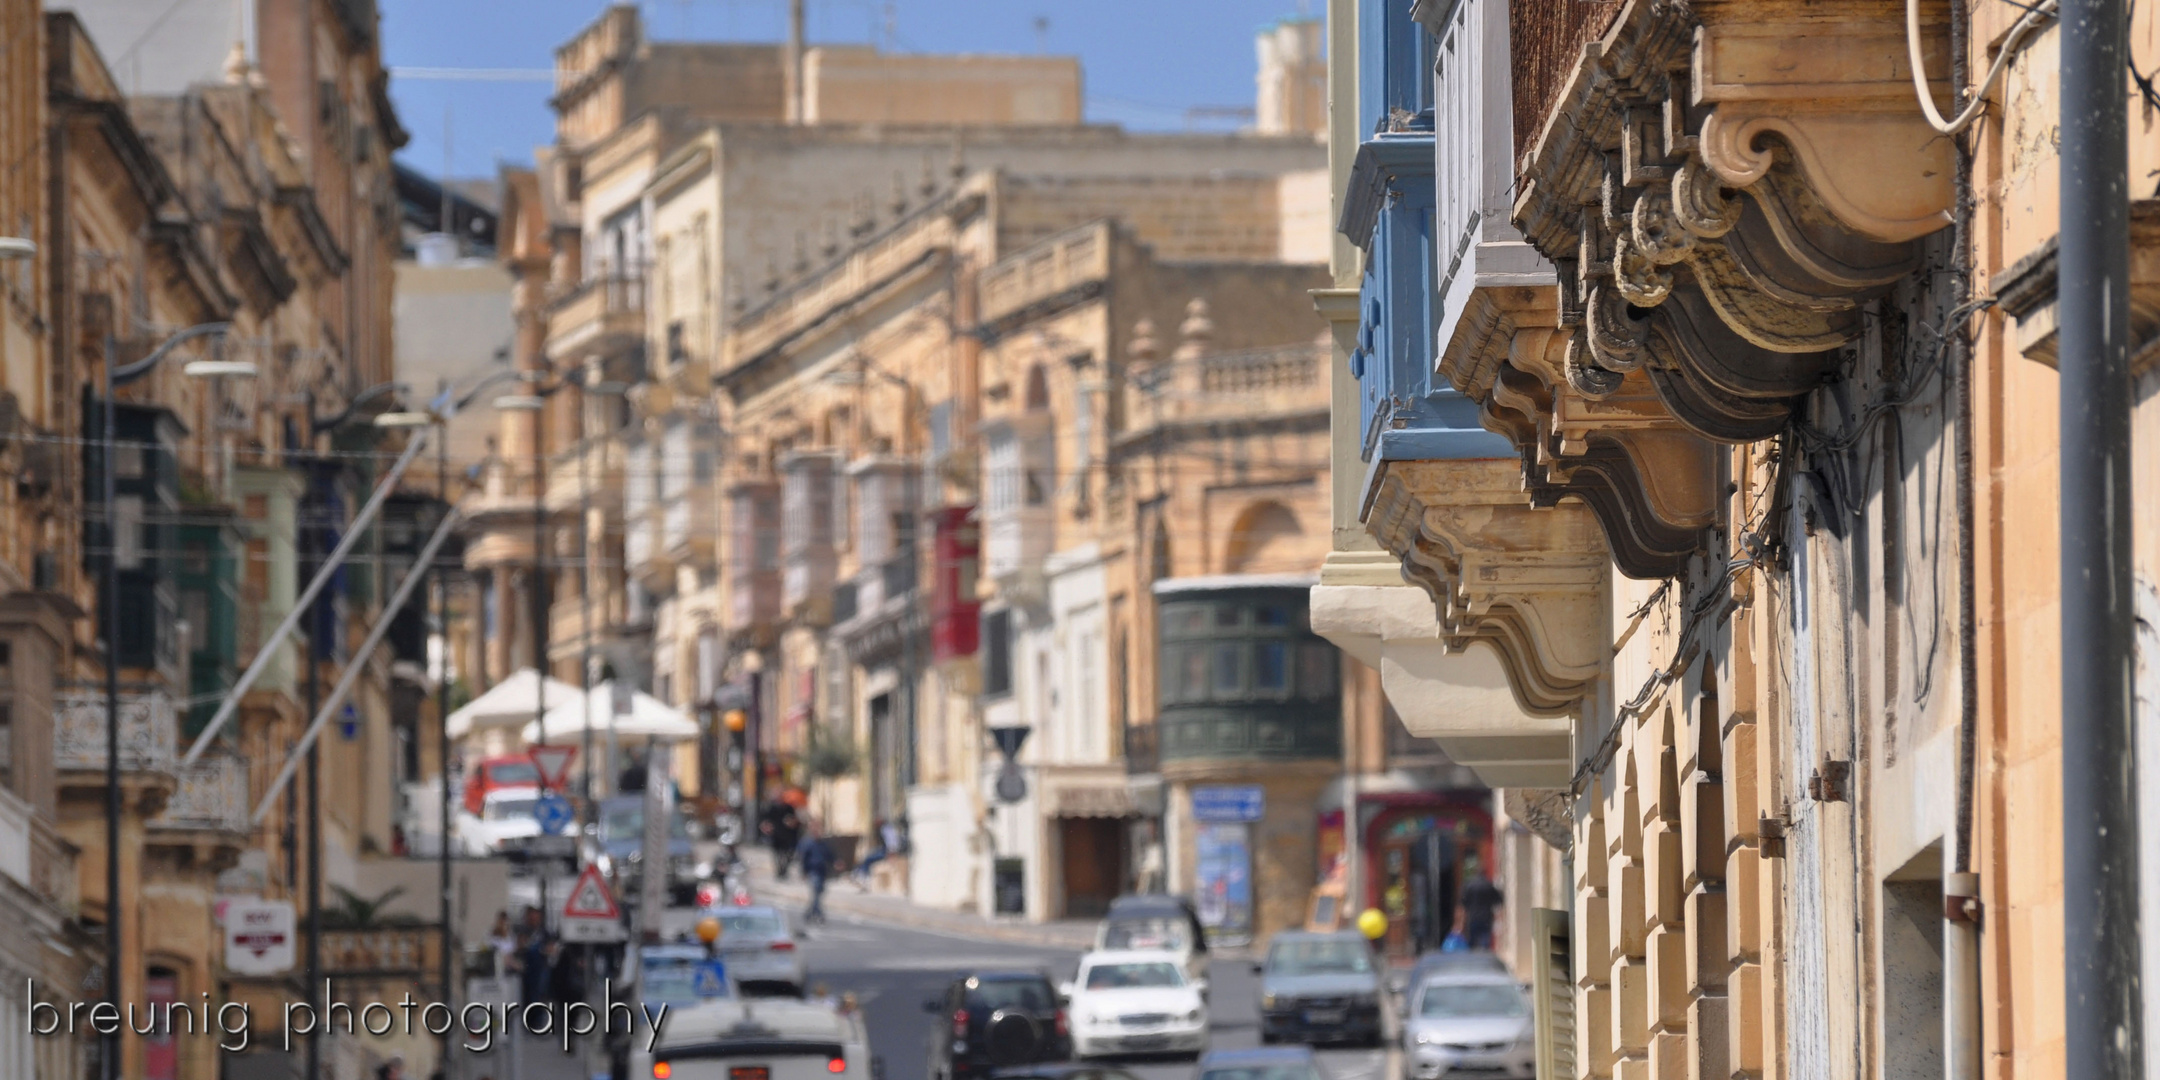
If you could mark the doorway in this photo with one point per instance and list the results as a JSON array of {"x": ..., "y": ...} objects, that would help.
[{"x": 1093, "y": 863}]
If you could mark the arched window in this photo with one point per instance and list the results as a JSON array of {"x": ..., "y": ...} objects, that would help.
[{"x": 1266, "y": 539}]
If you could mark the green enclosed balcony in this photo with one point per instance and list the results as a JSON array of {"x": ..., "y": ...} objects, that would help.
[{"x": 1242, "y": 676}]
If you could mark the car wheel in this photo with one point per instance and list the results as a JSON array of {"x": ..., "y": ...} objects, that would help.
[{"x": 1267, "y": 1038}]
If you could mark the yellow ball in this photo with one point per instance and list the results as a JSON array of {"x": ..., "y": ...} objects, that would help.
[
  {"x": 1372, "y": 923},
  {"x": 708, "y": 930}
]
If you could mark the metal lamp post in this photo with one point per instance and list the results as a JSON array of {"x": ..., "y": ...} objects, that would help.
[{"x": 114, "y": 378}]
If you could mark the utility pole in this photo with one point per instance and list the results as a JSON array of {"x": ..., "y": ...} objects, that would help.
[{"x": 2103, "y": 1003}]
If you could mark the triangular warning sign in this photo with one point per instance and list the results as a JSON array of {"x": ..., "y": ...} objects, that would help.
[
  {"x": 590, "y": 898},
  {"x": 553, "y": 763}
]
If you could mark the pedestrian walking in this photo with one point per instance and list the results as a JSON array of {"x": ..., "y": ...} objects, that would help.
[
  {"x": 1480, "y": 899},
  {"x": 817, "y": 861},
  {"x": 783, "y": 830}
]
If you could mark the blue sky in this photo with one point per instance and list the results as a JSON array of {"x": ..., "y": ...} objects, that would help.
[{"x": 1146, "y": 62}]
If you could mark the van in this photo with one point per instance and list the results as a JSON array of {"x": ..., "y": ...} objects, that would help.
[{"x": 758, "y": 1039}]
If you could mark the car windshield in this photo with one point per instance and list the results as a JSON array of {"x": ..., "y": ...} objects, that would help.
[
  {"x": 1283, "y": 1071},
  {"x": 513, "y": 773},
  {"x": 511, "y": 809},
  {"x": 1150, "y": 933},
  {"x": 1474, "y": 999},
  {"x": 1026, "y": 995},
  {"x": 627, "y": 822},
  {"x": 750, "y": 924},
  {"x": 1133, "y": 976},
  {"x": 1319, "y": 958}
]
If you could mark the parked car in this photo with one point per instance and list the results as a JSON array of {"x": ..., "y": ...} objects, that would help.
[
  {"x": 1063, "y": 1070},
  {"x": 736, "y": 1039},
  {"x": 988, "y": 1020},
  {"x": 1469, "y": 1022},
  {"x": 1154, "y": 921},
  {"x": 758, "y": 946},
  {"x": 1434, "y": 962},
  {"x": 621, "y": 844},
  {"x": 669, "y": 974},
  {"x": 1269, "y": 1063},
  {"x": 1319, "y": 988},
  {"x": 494, "y": 773},
  {"x": 1135, "y": 1002},
  {"x": 506, "y": 816}
]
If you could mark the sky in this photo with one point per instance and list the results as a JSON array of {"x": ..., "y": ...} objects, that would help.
[{"x": 1145, "y": 62}]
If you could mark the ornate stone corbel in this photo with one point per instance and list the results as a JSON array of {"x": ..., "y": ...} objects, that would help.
[
  {"x": 1731, "y": 186},
  {"x": 1529, "y": 582},
  {"x": 1615, "y": 446}
]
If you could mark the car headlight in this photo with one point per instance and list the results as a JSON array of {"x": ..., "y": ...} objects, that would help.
[
  {"x": 1193, "y": 1015},
  {"x": 1365, "y": 999},
  {"x": 1428, "y": 1038},
  {"x": 1269, "y": 1001}
]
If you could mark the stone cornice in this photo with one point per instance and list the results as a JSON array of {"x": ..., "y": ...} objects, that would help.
[
  {"x": 1530, "y": 581},
  {"x": 1732, "y": 307}
]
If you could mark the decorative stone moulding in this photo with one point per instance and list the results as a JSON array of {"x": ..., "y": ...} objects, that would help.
[
  {"x": 1529, "y": 582},
  {"x": 1459, "y": 697},
  {"x": 1724, "y": 188},
  {"x": 1649, "y": 481}
]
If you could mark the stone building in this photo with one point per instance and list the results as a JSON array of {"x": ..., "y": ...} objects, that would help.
[
  {"x": 689, "y": 186},
  {"x": 1663, "y": 437},
  {"x": 164, "y": 207}
]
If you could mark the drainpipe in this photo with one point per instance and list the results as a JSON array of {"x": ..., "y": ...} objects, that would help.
[
  {"x": 1961, "y": 887},
  {"x": 2102, "y": 1007}
]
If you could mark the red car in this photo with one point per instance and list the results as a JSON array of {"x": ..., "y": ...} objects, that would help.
[{"x": 495, "y": 773}]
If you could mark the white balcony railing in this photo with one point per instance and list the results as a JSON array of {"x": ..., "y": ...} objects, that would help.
[
  {"x": 33, "y": 855},
  {"x": 149, "y": 730},
  {"x": 213, "y": 794}
]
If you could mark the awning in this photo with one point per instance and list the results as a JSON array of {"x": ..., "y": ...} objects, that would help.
[
  {"x": 649, "y": 718},
  {"x": 510, "y": 702}
]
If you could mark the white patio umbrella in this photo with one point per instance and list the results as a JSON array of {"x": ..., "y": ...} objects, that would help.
[
  {"x": 510, "y": 702},
  {"x": 649, "y": 719}
]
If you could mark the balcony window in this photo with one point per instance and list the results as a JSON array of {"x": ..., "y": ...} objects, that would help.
[
  {"x": 997, "y": 654},
  {"x": 955, "y": 628},
  {"x": 1396, "y": 92}
]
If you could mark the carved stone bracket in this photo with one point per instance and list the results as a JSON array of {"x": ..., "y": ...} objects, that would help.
[
  {"x": 1649, "y": 481},
  {"x": 1725, "y": 187},
  {"x": 1529, "y": 581}
]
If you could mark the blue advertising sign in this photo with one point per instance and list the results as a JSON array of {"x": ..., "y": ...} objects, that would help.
[
  {"x": 1228, "y": 803},
  {"x": 1223, "y": 865}
]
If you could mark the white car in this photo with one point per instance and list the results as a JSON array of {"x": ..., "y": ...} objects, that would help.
[
  {"x": 505, "y": 814},
  {"x": 1135, "y": 1002},
  {"x": 1156, "y": 923},
  {"x": 765, "y": 1038}
]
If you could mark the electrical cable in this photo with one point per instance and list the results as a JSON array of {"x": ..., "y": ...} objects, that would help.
[{"x": 1977, "y": 103}]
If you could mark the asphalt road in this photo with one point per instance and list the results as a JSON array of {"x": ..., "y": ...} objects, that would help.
[{"x": 892, "y": 970}]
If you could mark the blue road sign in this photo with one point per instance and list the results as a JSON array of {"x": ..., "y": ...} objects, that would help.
[
  {"x": 553, "y": 813},
  {"x": 1228, "y": 803},
  {"x": 711, "y": 980}
]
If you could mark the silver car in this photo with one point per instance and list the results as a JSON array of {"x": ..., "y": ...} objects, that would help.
[
  {"x": 758, "y": 945},
  {"x": 1469, "y": 1024}
]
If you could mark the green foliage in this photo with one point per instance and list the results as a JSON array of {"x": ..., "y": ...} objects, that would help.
[{"x": 831, "y": 755}]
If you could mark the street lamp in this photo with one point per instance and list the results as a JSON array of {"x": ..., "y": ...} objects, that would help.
[
  {"x": 441, "y": 421},
  {"x": 317, "y": 426},
  {"x": 115, "y": 377}
]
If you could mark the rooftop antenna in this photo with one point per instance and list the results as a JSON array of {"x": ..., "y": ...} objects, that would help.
[{"x": 1042, "y": 33}]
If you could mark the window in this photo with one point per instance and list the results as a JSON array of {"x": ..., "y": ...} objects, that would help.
[
  {"x": 7, "y": 742},
  {"x": 1318, "y": 667},
  {"x": 1229, "y": 667},
  {"x": 997, "y": 653},
  {"x": 1271, "y": 667}
]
